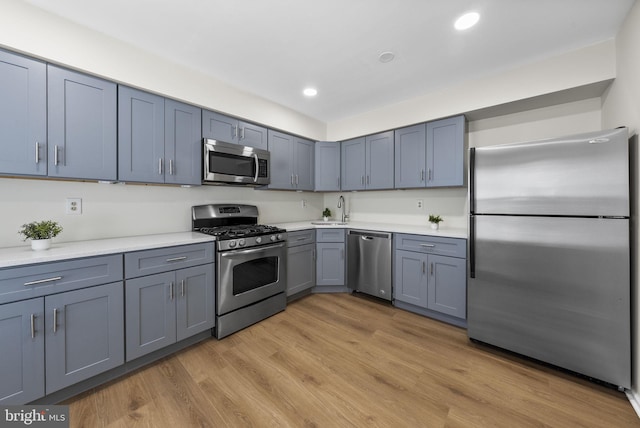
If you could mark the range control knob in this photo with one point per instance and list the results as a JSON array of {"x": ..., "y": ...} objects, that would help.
[
  {"x": 272, "y": 237},
  {"x": 232, "y": 244},
  {"x": 241, "y": 242},
  {"x": 279, "y": 237},
  {"x": 258, "y": 240}
]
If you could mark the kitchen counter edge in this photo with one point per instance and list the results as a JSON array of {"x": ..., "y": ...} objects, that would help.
[
  {"x": 379, "y": 227},
  {"x": 24, "y": 255}
]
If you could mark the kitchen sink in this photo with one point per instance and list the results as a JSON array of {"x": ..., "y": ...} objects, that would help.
[{"x": 329, "y": 223}]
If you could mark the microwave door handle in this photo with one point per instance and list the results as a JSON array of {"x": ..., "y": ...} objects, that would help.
[{"x": 255, "y": 179}]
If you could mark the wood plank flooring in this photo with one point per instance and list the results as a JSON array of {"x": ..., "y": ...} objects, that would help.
[{"x": 337, "y": 360}]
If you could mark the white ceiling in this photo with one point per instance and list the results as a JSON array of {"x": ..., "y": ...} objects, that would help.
[{"x": 274, "y": 48}]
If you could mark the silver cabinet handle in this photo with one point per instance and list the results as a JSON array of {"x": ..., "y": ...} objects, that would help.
[
  {"x": 430, "y": 174},
  {"x": 160, "y": 166},
  {"x": 292, "y": 179},
  {"x": 431, "y": 268},
  {"x": 422, "y": 175},
  {"x": 182, "y": 288},
  {"x": 428, "y": 245},
  {"x": 241, "y": 134},
  {"x": 41, "y": 281},
  {"x": 297, "y": 181},
  {"x": 55, "y": 319},
  {"x": 37, "y": 152},
  {"x": 362, "y": 179},
  {"x": 170, "y": 166},
  {"x": 235, "y": 131},
  {"x": 423, "y": 267},
  {"x": 55, "y": 155},
  {"x": 33, "y": 326},
  {"x": 176, "y": 259},
  {"x": 171, "y": 291},
  {"x": 368, "y": 179}
]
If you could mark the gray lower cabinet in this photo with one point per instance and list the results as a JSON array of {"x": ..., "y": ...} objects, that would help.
[
  {"x": 301, "y": 261},
  {"x": 23, "y": 121},
  {"x": 330, "y": 258},
  {"x": 430, "y": 274},
  {"x": 169, "y": 306},
  {"x": 225, "y": 128},
  {"x": 82, "y": 126},
  {"x": 159, "y": 139}
]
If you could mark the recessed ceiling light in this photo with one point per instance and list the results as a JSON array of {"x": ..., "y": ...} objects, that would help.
[
  {"x": 310, "y": 92},
  {"x": 467, "y": 20},
  {"x": 386, "y": 56}
]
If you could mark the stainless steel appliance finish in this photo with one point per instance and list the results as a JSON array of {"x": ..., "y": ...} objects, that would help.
[
  {"x": 234, "y": 164},
  {"x": 369, "y": 263},
  {"x": 251, "y": 265},
  {"x": 549, "y": 253}
]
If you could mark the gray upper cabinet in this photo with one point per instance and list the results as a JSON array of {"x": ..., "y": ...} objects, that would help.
[
  {"x": 82, "y": 126},
  {"x": 430, "y": 154},
  {"x": 158, "y": 139},
  {"x": 367, "y": 162},
  {"x": 23, "y": 122},
  {"x": 445, "y": 152},
  {"x": 327, "y": 166},
  {"x": 411, "y": 157},
  {"x": 292, "y": 162},
  {"x": 220, "y": 127}
]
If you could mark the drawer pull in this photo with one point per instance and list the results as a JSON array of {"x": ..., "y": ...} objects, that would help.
[
  {"x": 42, "y": 281},
  {"x": 428, "y": 245},
  {"x": 302, "y": 239},
  {"x": 33, "y": 326},
  {"x": 176, "y": 259}
]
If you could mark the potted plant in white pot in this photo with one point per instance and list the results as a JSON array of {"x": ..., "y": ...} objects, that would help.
[
  {"x": 435, "y": 221},
  {"x": 40, "y": 233},
  {"x": 326, "y": 214}
]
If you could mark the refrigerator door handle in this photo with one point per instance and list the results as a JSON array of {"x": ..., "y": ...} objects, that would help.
[
  {"x": 472, "y": 246},
  {"x": 472, "y": 167}
]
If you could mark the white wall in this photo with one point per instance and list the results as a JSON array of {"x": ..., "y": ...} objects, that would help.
[{"x": 621, "y": 106}]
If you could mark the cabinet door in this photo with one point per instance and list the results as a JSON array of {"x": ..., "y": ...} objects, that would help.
[
  {"x": 353, "y": 164},
  {"x": 150, "y": 313},
  {"x": 330, "y": 264},
  {"x": 281, "y": 149},
  {"x": 447, "y": 285},
  {"x": 410, "y": 148},
  {"x": 22, "y": 351},
  {"x": 219, "y": 127},
  {"x": 23, "y": 117},
  {"x": 445, "y": 152},
  {"x": 195, "y": 300},
  {"x": 183, "y": 143},
  {"x": 82, "y": 123},
  {"x": 252, "y": 135},
  {"x": 327, "y": 166},
  {"x": 301, "y": 268},
  {"x": 140, "y": 136},
  {"x": 303, "y": 164},
  {"x": 379, "y": 161},
  {"x": 411, "y": 278},
  {"x": 84, "y": 334}
]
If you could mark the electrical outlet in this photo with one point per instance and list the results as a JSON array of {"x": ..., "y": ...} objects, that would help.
[
  {"x": 304, "y": 203},
  {"x": 419, "y": 203},
  {"x": 74, "y": 206}
]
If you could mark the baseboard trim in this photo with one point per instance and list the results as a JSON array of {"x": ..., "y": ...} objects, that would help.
[{"x": 634, "y": 399}]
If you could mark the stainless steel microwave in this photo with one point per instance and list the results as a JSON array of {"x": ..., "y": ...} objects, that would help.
[{"x": 234, "y": 164}]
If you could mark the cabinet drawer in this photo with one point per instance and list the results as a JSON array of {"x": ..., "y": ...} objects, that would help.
[
  {"x": 453, "y": 247},
  {"x": 147, "y": 262},
  {"x": 48, "y": 278},
  {"x": 301, "y": 237},
  {"x": 329, "y": 235}
]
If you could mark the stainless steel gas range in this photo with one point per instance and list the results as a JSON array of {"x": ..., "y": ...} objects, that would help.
[{"x": 251, "y": 264}]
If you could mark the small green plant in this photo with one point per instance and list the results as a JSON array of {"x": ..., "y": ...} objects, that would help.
[
  {"x": 40, "y": 230},
  {"x": 434, "y": 219},
  {"x": 326, "y": 212}
]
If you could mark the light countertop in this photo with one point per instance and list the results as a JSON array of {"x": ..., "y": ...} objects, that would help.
[
  {"x": 380, "y": 227},
  {"x": 24, "y": 255}
]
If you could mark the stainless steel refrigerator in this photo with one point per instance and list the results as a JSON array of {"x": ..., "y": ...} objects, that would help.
[{"x": 549, "y": 252}]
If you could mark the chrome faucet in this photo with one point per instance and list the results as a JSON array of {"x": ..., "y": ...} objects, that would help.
[{"x": 342, "y": 204}]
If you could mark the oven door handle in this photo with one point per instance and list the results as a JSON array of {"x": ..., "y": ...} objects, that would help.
[{"x": 234, "y": 253}]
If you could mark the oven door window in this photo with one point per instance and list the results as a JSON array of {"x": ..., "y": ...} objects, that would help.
[
  {"x": 254, "y": 274},
  {"x": 223, "y": 163}
]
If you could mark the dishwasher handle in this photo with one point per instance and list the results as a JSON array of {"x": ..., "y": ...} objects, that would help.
[{"x": 368, "y": 235}]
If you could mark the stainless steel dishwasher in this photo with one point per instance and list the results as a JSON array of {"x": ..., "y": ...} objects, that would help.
[{"x": 369, "y": 263}]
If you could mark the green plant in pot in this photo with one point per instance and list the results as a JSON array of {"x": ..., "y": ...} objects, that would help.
[
  {"x": 435, "y": 221},
  {"x": 40, "y": 233},
  {"x": 326, "y": 214}
]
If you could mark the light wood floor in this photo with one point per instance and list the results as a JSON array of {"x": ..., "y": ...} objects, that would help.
[{"x": 344, "y": 361}]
